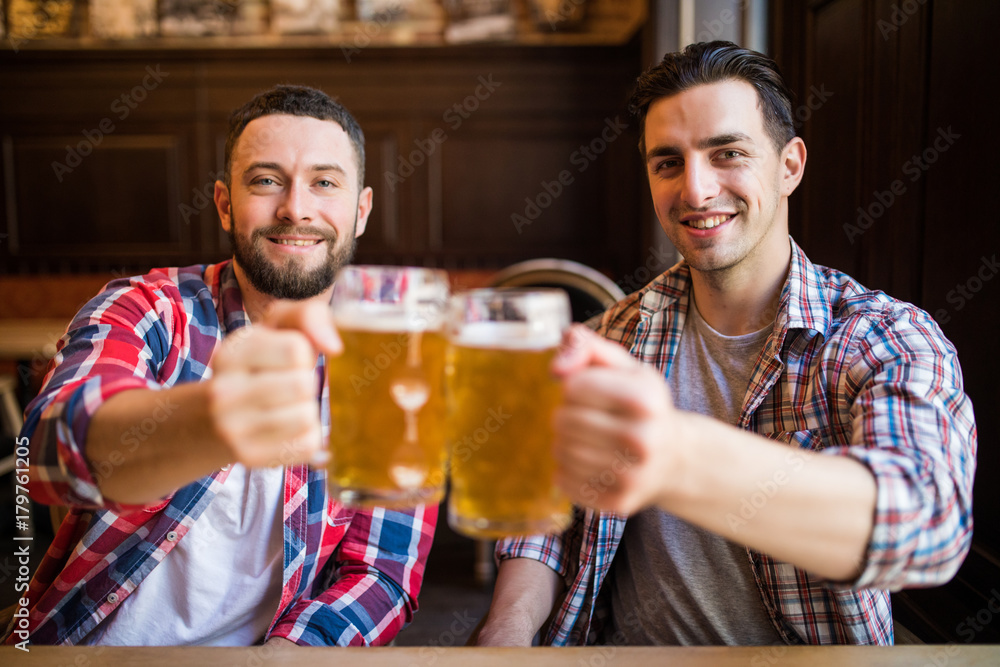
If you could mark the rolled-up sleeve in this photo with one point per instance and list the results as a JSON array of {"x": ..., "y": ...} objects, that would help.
[
  {"x": 117, "y": 342},
  {"x": 547, "y": 549},
  {"x": 913, "y": 427}
]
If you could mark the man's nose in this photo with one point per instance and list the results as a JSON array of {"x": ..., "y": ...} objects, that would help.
[
  {"x": 296, "y": 204},
  {"x": 701, "y": 184}
]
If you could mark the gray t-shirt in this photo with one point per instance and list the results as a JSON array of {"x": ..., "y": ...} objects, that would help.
[{"x": 672, "y": 582}]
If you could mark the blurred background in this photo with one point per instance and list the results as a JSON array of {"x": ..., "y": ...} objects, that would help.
[{"x": 497, "y": 133}]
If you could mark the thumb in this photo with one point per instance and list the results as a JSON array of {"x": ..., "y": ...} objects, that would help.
[
  {"x": 311, "y": 318},
  {"x": 582, "y": 348}
]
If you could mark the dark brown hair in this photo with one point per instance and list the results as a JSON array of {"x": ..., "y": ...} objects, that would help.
[
  {"x": 712, "y": 62},
  {"x": 295, "y": 101}
]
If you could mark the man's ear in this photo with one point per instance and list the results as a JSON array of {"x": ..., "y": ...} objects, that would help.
[
  {"x": 793, "y": 165},
  {"x": 364, "y": 210},
  {"x": 223, "y": 205}
]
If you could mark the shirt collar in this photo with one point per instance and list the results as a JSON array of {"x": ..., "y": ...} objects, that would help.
[
  {"x": 228, "y": 298},
  {"x": 802, "y": 305}
]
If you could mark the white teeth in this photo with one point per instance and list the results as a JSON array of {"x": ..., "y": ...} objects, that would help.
[
  {"x": 295, "y": 241},
  {"x": 708, "y": 223}
]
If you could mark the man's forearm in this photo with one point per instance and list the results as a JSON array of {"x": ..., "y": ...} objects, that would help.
[
  {"x": 815, "y": 512},
  {"x": 525, "y": 592},
  {"x": 142, "y": 444}
]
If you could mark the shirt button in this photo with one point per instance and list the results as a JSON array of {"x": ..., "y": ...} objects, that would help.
[
  {"x": 172, "y": 536},
  {"x": 113, "y": 598}
]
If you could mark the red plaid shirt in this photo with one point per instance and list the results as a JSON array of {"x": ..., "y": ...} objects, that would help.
[
  {"x": 845, "y": 372},
  {"x": 350, "y": 578}
]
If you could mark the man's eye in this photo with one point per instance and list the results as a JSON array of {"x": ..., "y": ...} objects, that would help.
[
  {"x": 264, "y": 180},
  {"x": 729, "y": 155},
  {"x": 325, "y": 183},
  {"x": 665, "y": 164}
]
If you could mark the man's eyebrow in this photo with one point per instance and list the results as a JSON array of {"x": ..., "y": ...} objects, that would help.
[
  {"x": 262, "y": 165},
  {"x": 329, "y": 167},
  {"x": 710, "y": 142},
  {"x": 724, "y": 139},
  {"x": 277, "y": 167}
]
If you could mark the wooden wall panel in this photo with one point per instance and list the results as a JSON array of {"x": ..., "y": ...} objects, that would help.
[
  {"x": 507, "y": 118},
  {"x": 902, "y": 139},
  {"x": 116, "y": 196}
]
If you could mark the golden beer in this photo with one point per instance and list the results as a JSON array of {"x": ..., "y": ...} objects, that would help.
[
  {"x": 387, "y": 405},
  {"x": 502, "y": 398}
]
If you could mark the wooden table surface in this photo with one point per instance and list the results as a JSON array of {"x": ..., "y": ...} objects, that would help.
[{"x": 950, "y": 655}]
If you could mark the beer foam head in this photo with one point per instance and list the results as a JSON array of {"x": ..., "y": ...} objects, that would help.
[
  {"x": 506, "y": 335},
  {"x": 508, "y": 318},
  {"x": 386, "y": 317}
]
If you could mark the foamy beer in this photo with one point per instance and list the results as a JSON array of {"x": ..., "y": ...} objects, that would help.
[
  {"x": 502, "y": 397},
  {"x": 387, "y": 406}
]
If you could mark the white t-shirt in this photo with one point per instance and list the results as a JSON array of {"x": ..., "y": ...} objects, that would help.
[{"x": 221, "y": 584}]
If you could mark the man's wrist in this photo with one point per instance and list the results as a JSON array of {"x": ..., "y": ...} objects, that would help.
[{"x": 514, "y": 629}]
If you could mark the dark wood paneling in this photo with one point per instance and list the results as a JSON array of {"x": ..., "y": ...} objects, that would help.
[
  {"x": 902, "y": 139},
  {"x": 961, "y": 241},
  {"x": 511, "y": 118}
]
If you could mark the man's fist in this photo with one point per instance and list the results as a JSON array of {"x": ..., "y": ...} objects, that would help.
[
  {"x": 263, "y": 393},
  {"x": 617, "y": 432}
]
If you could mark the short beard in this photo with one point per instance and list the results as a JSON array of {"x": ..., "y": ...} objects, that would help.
[{"x": 288, "y": 280}]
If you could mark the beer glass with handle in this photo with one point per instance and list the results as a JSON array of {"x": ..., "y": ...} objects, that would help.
[
  {"x": 387, "y": 406},
  {"x": 502, "y": 396}
]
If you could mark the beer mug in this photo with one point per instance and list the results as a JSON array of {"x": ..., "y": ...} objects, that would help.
[
  {"x": 502, "y": 396},
  {"x": 387, "y": 406}
]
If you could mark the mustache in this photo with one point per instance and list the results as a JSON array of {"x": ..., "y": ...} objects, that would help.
[{"x": 276, "y": 230}]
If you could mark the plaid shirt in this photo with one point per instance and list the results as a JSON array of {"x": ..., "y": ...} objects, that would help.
[
  {"x": 350, "y": 577},
  {"x": 845, "y": 372}
]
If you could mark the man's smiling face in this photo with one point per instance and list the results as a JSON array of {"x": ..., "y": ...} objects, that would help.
[
  {"x": 716, "y": 177},
  {"x": 294, "y": 209}
]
